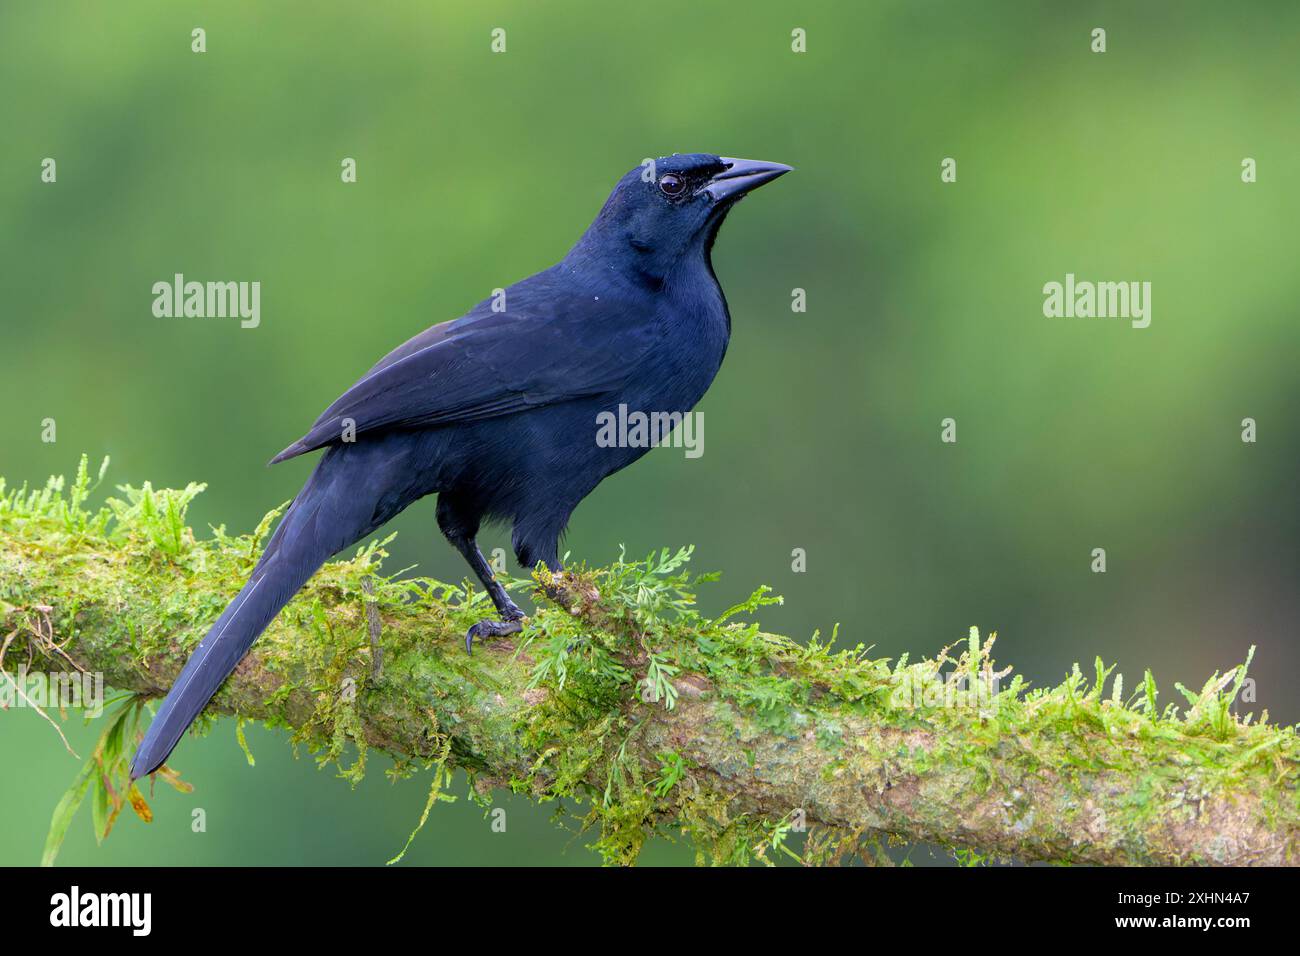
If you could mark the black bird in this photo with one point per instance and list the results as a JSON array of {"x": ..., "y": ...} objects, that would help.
[{"x": 497, "y": 411}]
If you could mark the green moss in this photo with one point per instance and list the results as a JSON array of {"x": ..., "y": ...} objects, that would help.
[{"x": 609, "y": 702}]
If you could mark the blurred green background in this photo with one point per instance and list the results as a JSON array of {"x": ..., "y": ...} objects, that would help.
[{"x": 924, "y": 301}]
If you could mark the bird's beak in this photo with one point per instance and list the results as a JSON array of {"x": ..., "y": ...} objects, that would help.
[{"x": 742, "y": 175}]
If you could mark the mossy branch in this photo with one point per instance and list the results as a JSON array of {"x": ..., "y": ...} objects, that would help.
[{"x": 621, "y": 697}]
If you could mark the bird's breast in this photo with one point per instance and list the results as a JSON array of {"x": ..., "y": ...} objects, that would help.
[{"x": 693, "y": 340}]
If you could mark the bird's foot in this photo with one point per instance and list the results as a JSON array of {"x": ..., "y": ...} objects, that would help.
[{"x": 489, "y": 628}]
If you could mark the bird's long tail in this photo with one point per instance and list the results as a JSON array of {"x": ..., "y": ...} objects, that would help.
[{"x": 323, "y": 519}]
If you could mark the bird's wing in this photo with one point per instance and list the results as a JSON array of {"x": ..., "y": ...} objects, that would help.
[{"x": 545, "y": 349}]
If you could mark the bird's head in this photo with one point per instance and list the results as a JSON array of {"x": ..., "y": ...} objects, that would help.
[{"x": 668, "y": 208}]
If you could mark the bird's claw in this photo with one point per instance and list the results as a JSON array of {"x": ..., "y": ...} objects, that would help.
[{"x": 489, "y": 628}]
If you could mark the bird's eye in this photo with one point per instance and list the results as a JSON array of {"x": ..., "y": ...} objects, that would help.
[{"x": 671, "y": 185}]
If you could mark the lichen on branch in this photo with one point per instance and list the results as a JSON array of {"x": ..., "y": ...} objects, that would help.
[{"x": 621, "y": 698}]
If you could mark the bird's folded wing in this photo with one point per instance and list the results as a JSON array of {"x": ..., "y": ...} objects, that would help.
[{"x": 486, "y": 365}]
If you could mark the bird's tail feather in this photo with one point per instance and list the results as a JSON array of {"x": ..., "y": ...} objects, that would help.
[{"x": 294, "y": 553}]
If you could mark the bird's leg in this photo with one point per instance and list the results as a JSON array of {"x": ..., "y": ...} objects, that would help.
[
  {"x": 537, "y": 547},
  {"x": 510, "y": 613}
]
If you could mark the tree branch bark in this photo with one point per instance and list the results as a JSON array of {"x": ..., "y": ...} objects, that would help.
[{"x": 763, "y": 733}]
